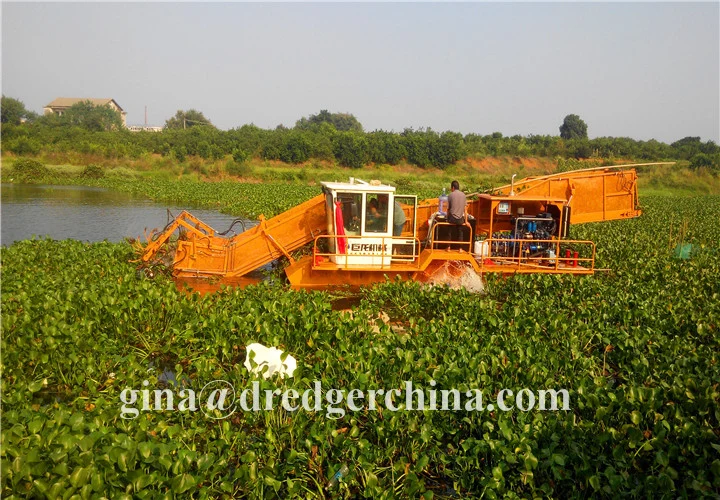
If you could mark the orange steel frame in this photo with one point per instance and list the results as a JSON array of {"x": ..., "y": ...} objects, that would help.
[
  {"x": 593, "y": 195},
  {"x": 200, "y": 253}
]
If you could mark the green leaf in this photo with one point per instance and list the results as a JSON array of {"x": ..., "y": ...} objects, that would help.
[
  {"x": 715, "y": 467},
  {"x": 122, "y": 460},
  {"x": 67, "y": 441},
  {"x": 505, "y": 429},
  {"x": 80, "y": 477},
  {"x": 86, "y": 443},
  {"x": 142, "y": 481},
  {"x": 36, "y": 385},
  {"x": 97, "y": 481},
  {"x": 35, "y": 425},
  {"x": 145, "y": 449},
  {"x": 272, "y": 482},
  {"x": 182, "y": 483},
  {"x": 205, "y": 462},
  {"x": 497, "y": 473}
]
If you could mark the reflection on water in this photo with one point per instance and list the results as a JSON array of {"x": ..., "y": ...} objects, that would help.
[{"x": 88, "y": 214}]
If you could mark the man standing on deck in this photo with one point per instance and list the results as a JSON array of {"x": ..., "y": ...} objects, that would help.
[{"x": 456, "y": 211}]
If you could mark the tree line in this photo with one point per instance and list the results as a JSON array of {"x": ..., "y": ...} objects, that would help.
[{"x": 337, "y": 137}]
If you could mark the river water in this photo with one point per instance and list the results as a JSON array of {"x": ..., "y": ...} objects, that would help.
[{"x": 88, "y": 214}]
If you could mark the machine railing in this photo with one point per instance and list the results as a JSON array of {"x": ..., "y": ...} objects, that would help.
[
  {"x": 455, "y": 245},
  {"x": 552, "y": 254},
  {"x": 379, "y": 254}
]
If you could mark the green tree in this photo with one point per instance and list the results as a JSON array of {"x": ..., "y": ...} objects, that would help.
[
  {"x": 90, "y": 117},
  {"x": 295, "y": 146},
  {"x": 322, "y": 142},
  {"x": 702, "y": 160},
  {"x": 417, "y": 145},
  {"x": 351, "y": 149},
  {"x": 187, "y": 119},
  {"x": 444, "y": 149},
  {"x": 573, "y": 128},
  {"x": 688, "y": 147},
  {"x": 496, "y": 144},
  {"x": 342, "y": 122},
  {"x": 385, "y": 147},
  {"x": 579, "y": 148},
  {"x": 14, "y": 112}
]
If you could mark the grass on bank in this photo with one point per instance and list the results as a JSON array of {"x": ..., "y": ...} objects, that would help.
[
  {"x": 218, "y": 184},
  {"x": 475, "y": 172}
]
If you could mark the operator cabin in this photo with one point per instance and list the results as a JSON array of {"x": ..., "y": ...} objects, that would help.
[{"x": 361, "y": 223}]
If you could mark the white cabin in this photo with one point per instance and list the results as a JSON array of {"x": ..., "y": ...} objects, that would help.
[{"x": 360, "y": 215}]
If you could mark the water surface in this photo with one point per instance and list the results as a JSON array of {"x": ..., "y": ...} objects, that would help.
[{"x": 88, "y": 214}]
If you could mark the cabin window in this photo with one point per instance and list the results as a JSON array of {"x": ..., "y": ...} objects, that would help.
[
  {"x": 351, "y": 204},
  {"x": 376, "y": 213},
  {"x": 408, "y": 206}
]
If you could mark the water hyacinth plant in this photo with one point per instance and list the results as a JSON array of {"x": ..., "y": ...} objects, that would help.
[{"x": 636, "y": 347}]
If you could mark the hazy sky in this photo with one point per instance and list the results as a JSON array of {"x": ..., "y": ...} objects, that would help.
[{"x": 640, "y": 70}]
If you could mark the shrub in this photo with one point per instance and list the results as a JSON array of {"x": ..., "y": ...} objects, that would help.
[
  {"x": 700, "y": 160},
  {"x": 351, "y": 149},
  {"x": 27, "y": 169},
  {"x": 24, "y": 146},
  {"x": 239, "y": 169},
  {"x": 287, "y": 175},
  {"x": 240, "y": 155},
  {"x": 180, "y": 153},
  {"x": 295, "y": 148},
  {"x": 93, "y": 171},
  {"x": 568, "y": 164}
]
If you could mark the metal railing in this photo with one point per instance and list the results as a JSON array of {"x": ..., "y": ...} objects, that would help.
[
  {"x": 548, "y": 255},
  {"x": 463, "y": 245},
  {"x": 536, "y": 254},
  {"x": 379, "y": 258}
]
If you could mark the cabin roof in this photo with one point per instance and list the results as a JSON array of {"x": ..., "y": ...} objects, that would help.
[{"x": 358, "y": 187}]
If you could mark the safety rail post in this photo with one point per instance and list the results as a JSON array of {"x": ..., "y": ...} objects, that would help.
[
  {"x": 557, "y": 255},
  {"x": 433, "y": 241},
  {"x": 382, "y": 252}
]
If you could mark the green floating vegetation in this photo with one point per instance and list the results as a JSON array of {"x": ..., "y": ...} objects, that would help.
[{"x": 637, "y": 349}]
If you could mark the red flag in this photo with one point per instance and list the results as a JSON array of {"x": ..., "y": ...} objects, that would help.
[{"x": 340, "y": 231}]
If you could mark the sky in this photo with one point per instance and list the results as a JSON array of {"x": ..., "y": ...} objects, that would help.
[{"x": 639, "y": 70}]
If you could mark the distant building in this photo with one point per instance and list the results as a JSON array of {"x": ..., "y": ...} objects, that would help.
[
  {"x": 144, "y": 128},
  {"x": 59, "y": 105}
]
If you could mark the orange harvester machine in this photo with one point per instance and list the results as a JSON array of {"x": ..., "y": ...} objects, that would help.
[{"x": 358, "y": 235}]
